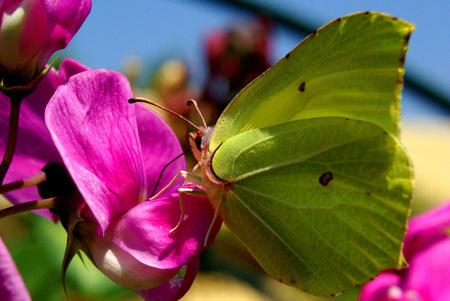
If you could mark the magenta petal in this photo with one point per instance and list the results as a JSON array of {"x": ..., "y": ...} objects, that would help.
[
  {"x": 143, "y": 232},
  {"x": 12, "y": 287},
  {"x": 69, "y": 67},
  {"x": 36, "y": 30},
  {"x": 67, "y": 17},
  {"x": 9, "y": 6},
  {"x": 378, "y": 289},
  {"x": 159, "y": 147},
  {"x": 69, "y": 14},
  {"x": 425, "y": 229},
  {"x": 94, "y": 129},
  {"x": 122, "y": 267},
  {"x": 429, "y": 272},
  {"x": 175, "y": 288}
]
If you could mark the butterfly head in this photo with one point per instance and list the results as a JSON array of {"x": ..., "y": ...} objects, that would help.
[{"x": 199, "y": 142}]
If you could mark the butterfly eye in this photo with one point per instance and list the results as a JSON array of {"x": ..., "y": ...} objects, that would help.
[{"x": 198, "y": 142}]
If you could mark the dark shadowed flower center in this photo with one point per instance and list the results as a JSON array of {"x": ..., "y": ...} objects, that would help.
[{"x": 58, "y": 181}]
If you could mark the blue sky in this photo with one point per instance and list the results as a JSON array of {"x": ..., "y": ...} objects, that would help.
[{"x": 158, "y": 29}]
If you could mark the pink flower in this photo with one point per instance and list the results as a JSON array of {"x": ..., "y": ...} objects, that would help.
[
  {"x": 32, "y": 30},
  {"x": 427, "y": 252},
  {"x": 114, "y": 166},
  {"x": 127, "y": 237},
  {"x": 35, "y": 148},
  {"x": 12, "y": 287}
]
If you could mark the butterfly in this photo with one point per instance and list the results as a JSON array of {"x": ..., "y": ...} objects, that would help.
[{"x": 305, "y": 166}]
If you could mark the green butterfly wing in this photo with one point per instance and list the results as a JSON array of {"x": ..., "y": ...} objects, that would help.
[
  {"x": 321, "y": 203},
  {"x": 352, "y": 67},
  {"x": 320, "y": 185}
]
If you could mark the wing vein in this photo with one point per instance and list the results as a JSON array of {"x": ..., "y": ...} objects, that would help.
[
  {"x": 294, "y": 161},
  {"x": 276, "y": 235},
  {"x": 331, "y": 247}
]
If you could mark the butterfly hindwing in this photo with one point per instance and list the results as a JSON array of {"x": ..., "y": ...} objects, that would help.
[{"x": 321, "y": 204}]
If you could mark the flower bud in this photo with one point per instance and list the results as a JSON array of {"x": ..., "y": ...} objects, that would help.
[{"x": 31, "y": 31}]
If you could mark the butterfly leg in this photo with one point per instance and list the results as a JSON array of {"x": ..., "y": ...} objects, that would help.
[
  {"x": 182, "y": 210},
  {"x": 182, "y": 191},
  {"x": 181, "y": 173},
  {"x": 213, "y": 221},
  {"x": 195, "y": 168}
]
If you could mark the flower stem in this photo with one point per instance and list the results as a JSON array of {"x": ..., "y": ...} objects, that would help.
[
  {"x": 33, "y": 205},
  {"x": 12, "y": 136},
  {"x": 29, "y": 182}
]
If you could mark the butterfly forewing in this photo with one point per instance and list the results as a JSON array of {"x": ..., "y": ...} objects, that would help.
[{"x": 352, "y": 67}]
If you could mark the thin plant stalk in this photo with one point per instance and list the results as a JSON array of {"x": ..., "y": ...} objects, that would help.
[
  {"x": 12, "y": 136},
  {"x": 28, "y": 206}
]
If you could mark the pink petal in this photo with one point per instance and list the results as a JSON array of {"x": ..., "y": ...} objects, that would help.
[
  {"x": 69, "y": 67},
  {"x": 21, "y": 44},
  {"x": 378, "y": 289},
  {"x": 35, "y": 32},
  {"x": 427, "y": 250},
  {"x": 12, "y": 287},
  {"x": 175, "y": 288},
  {"x": 425, "y": 229},
  {"x": 45, "y": 27},
  {"x": 94, "y": 129},
  {"x": 143, "y": 232},
  {"x": 8, "y": 6},
  {"x": 429, "y": 272},
  {"x": 159, "y": 147},
  {"x": 122, "y": 267},
  {"x": 35, "y": 147},
  {"x": 68, "y": 16}
]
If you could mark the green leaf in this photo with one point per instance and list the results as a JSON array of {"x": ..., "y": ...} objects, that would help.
[
  {"x": 351, "y": 67},
  {"x": 321, "y": 203}
]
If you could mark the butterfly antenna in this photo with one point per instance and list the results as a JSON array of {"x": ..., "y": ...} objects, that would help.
[
  {"x": 164, "y": 169},
  {"x": 193, "y": 102},
  {"x": 147, "y": 101}
]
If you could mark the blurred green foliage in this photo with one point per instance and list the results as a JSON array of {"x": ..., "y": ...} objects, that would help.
[{"x": 37, "y": 246}]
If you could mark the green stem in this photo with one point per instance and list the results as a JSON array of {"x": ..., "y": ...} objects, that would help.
[{"x": 12, "y": 136}]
